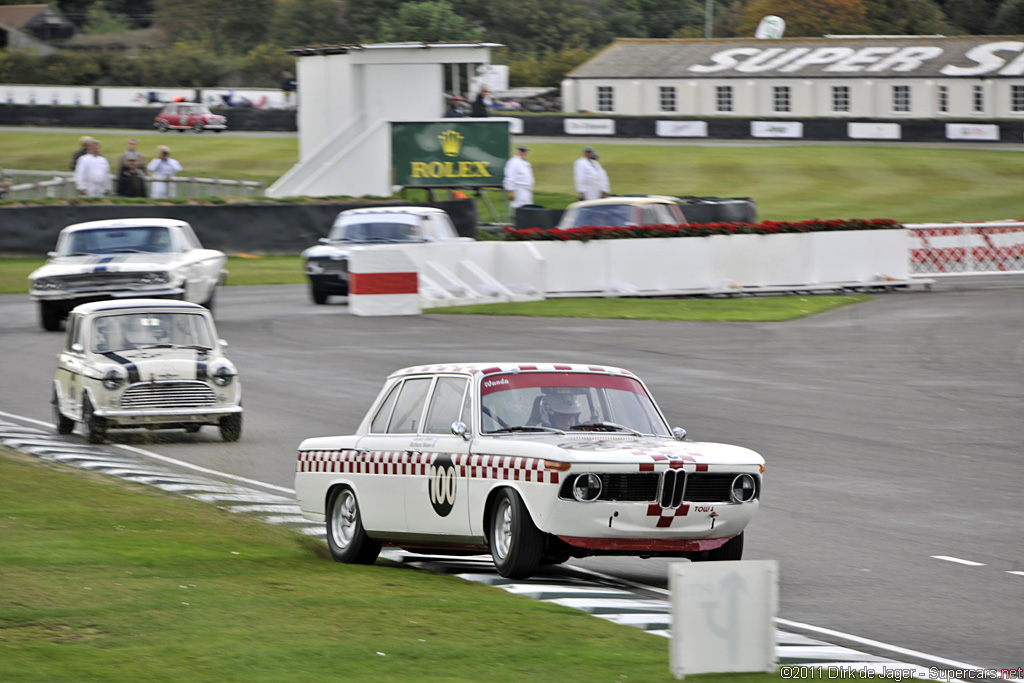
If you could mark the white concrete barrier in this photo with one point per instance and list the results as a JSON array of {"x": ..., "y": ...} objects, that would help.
[{"x": 383, "y": 280}]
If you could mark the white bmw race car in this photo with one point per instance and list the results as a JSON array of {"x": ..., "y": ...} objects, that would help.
[{"x": 535, "y": 463}]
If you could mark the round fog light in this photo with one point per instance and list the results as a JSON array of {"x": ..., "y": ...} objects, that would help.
[
  {"x": 744, "y": 488},
  {"x": 586, "y": 487}
]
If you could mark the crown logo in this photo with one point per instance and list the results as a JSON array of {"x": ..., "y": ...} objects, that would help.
[{"x": 451, "y": 142}]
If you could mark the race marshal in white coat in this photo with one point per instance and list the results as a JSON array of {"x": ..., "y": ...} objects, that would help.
[
  {"x": 519, "y": 178},
  {"x": 589, "y": 177}
]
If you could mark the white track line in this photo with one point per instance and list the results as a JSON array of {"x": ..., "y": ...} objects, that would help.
[{"x": 957, "y": 560}]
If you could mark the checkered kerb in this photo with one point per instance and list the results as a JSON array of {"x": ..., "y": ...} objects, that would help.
[
  {"x": 967, "y": 249},
  {"x": 505, "y": 468}
]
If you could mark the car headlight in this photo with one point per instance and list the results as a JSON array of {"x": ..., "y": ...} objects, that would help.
[
  {"x": 223, "y": 374},
  {"x": 113, "y": 378},
  {"x": 586, "y": 487},
  {"x": 744, "y": 488},
  {"x": 46, "y": 283},
  {"x": 154, "y": 278}
]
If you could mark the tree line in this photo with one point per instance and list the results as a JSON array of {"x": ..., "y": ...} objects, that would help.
[{"x": 236, "y": 43}]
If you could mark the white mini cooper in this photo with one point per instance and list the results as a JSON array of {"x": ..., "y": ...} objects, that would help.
[
  {"x": 146, "y": 363},
  {"x": 535, "y": 463}
]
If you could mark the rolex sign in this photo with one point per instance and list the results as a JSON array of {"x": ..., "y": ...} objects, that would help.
[{"x": 446, "y": 154}]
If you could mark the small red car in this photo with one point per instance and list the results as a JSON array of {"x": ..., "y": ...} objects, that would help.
[{"x": 182, "y": 116}]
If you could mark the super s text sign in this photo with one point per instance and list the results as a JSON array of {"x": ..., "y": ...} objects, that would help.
[{"x": 447, "y": 154}]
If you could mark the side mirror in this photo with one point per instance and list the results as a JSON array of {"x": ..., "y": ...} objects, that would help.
[
  {"x": 223, "y": 344},
  {"x": 679, "y": 433},
  {"x": 459, "y": 429},
  {"x": 324, "y": 240},
  {"x": 77, "y": 347},
  {"x": 51, "y": 254}
]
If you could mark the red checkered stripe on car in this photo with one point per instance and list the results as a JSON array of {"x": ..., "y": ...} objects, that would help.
[{"x": 506, "y": 468}]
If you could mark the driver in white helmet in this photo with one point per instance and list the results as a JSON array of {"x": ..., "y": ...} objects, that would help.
[{"x": 560, "y": 411}]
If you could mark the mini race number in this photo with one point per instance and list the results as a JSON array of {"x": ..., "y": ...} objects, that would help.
[{"x": 442, "y": 485}]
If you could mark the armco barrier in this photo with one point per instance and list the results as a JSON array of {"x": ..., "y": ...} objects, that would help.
[{"x": 966, "y": 248}]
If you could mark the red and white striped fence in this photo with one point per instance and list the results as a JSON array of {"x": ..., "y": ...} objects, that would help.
[{"x": 966, "y": 248}]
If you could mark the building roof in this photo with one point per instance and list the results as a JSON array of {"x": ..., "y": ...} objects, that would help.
[
  {"x": 19, "y": 16},
  {"x": 828, "y": 57}
]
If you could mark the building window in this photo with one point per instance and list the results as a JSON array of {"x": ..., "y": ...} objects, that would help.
[
  {"x": 840, "y": 98},
  {"x": 944, "y": 98},
  {"x": 979, "y": 98},
  {"x": 1017, "y": 97},
  {"x": 667, "y": 97},
  {"x": 901, "y": 98},
  {"x": 605, "y": 98},
  {"x": 781, "y": 98},
  {"x": 723, "y": 98}
]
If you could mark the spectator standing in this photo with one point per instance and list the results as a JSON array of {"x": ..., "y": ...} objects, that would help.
[
  {"x": 131, "y": 181},
  {"x": 589, "y": 176},
  {"x": 132, "y": 150},
  {"x": 83, "y": 148},
  {"x": 288, "y": 86},
  {"x": 92, "y": 172},
  {"x": 162, "y": 170},
  {"x": 480, "y": 104},
  {"x": 519, "y": 178}
]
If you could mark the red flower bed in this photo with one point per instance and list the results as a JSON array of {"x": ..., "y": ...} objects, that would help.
[{"x": 586, "y": 234}]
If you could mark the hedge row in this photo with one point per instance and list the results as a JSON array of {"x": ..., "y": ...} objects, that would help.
[{"x": 585, "y": 234}]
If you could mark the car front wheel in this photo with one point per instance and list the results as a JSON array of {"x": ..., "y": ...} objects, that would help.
[
  {"x": 95, "y": 426},
  {"x": 65, "y": 425},
  {"x": 516, "y": 543},
  {"x": 162, "y": 126},
  {"x": 231, "y": 427},
  {"x": 732, "y": 550},
  {"x": 49, "y": 316},
  {"x": 345, "y": 534},
  {"x": 197, "y": 127},
  {"x": 318, "y": 295}
]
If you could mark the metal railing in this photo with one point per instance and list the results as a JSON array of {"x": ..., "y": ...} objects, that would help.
[{"x": 27, "y": 184}]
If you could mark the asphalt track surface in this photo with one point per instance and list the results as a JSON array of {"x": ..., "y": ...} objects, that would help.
[{"x": 892, "y": 432}]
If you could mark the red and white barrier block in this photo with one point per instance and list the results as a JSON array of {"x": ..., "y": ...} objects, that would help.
[{"x": 382, "y": 281}]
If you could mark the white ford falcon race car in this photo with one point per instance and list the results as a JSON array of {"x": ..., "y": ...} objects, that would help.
[
  {"x": 134, "y": 257},
  {"x": 146, "y": 363},
  {"x": 536, "y": 463}
]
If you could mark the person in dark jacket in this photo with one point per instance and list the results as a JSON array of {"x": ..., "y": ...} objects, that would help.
[
  {"x": 131, "y": 182},
  {"x": 480, "y": 104}
]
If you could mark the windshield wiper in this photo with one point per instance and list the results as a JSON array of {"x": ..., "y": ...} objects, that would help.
[
  {"x": 509, "y": 430},
  {"x": 197, "y": 347},
  {"x": 156, "y": 346},
  {"x": 127, "y": 250},
  {"x": 603, "y": 427}
]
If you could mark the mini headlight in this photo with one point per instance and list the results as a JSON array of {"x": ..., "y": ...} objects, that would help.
[
  {"x": 586, "y": 487},
  {"x": 744, "y": 488},
  {"x": 222, "y": 375},
  {"x": 113, "y": 378}
]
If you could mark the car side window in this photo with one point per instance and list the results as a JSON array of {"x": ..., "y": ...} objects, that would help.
[
  {"x": 409, "y": 406},
  {"x": 71, "y": 335},
  {"x": 652, "y": 216},
  {"x": 445, "y": 405},
  {"x": 379, "y": 424}
]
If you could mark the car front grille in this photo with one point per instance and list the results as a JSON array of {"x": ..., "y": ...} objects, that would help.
[
  {"x": 157, "y": 395},
  {"x": 670, "y": 488},
  {"x": 102, "y": 281}
]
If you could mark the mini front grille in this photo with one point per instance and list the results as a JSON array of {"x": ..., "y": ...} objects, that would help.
[{"x": 168, "y": 395}]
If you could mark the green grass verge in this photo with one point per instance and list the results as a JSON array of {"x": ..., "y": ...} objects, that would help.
[
  {"x": 800, "y": 182},
  {"x": 109, "y": 581},
  {"x": 755, "y": 309}
]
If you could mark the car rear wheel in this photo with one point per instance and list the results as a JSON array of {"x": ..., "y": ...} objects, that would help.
[
  {"x": 95, "y": 426},
  {"x": 231, "y": 427},
  {"x": 50, "y": 316},
  {"x": 732, "y": 550},
  {"x": 516, "y": 543},
  {"x": 318, "y": 295},
  {"x": 162, "y": 126},
  {"x": 345, "y": 534},
  {"x": 65, "y": 425}
]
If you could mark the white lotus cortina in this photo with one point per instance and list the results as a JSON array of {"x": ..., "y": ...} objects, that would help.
[
  {"x": 125, "y": 258},
  {"x": 536, "y": 463},
  {"x": 144, "y": 363}
]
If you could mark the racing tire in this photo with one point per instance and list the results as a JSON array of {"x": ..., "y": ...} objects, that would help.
[
  {"x": 197, "y": 127},
  {"x": 192, "y": 428},
  {"x": 231, "y": 427},
  {"x": 65, "y": 425},
  {"x": 95, "y": 427},
  {"x": 318, "y": 295},
  {"x": 346, "y": 537},
  {"x": 732, "y": 550},
  {"x": 49, "y": 316},
  {"x": 162, "y": 127},
  {"x": 517, "y": 545}
]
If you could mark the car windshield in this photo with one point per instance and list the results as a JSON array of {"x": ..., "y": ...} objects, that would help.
[
  {"x": 603, "y": 215},
  {"x": 386, "y": 231},
  {"x": 151, "y": 239},
  {"x": 567, "y": 401},
  {"x": 150, "y": 329}
]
